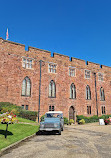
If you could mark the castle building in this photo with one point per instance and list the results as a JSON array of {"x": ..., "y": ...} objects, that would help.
[{"x": 36, "y": 81}]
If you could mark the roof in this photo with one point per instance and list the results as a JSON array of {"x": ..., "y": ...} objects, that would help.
[{"x": 54, "y": 112}]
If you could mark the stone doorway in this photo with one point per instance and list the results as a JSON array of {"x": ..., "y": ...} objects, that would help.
[{"x": 72, "y": 114}]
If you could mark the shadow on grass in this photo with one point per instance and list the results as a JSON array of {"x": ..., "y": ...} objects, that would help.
[{"x": 3, "y": 132}]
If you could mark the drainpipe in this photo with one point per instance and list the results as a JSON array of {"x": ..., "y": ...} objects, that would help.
[
  {"x": 39, "y": 91},
  {"x": 96, "y": 94}
]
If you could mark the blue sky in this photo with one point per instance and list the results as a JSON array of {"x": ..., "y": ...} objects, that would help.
[{"x": 77, "y": 28}]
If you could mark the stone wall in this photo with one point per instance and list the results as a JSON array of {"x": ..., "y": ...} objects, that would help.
[{"x": 12, "y": 74}]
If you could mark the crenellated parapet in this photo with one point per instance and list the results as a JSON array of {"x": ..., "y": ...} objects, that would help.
[
  {"x": 78, "y": 62},
  {"x": 61, "y": 57},
  {"x": 19, "y": 49},
  {"x": 39, "y": 51}
]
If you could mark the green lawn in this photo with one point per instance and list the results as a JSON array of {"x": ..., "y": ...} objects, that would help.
[
  {"x": 16, "y": 132},
  {"x": 25, "y": 120}
]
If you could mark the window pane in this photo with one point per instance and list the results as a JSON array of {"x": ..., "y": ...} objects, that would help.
[
  {"x": 24, "y": 87},
  {"x": 28, "y": 87},
  {"x": 52, "y": 108},
  {"x": 49, "y": 108},
  {"x": 26, "y": 107},
  {"x": 23, "y": 65},
  {"x": 24, "y": 60},
  {"x": 22, "y": 106},
  {"x": 27, "y": 65},
  {"x": 53, "y": 89},
  {"x": 50, "y": 89}
]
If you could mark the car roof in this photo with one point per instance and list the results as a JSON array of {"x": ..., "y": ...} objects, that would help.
[{"x": 54, "y": 112}]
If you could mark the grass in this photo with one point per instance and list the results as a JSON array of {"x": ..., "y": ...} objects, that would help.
[
  {"x": 15, "y": 132},
  {"x": 25, "y": 120}
]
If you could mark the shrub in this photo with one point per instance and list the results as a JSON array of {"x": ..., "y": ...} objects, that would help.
[
  {"x": 30, "y": 115},
  {"x": 106, "y": 121},
  {"x": 66, "y": 121},
  {"x": 71, "y": 121},
  {"x": 94, "y": 118},
  {"x": 8, "y": 107},
  {"x": 82, "y": 121},
  {"x": 42, "y": 118}
]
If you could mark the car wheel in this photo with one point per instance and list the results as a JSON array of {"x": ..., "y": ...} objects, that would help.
[
  {"x": 62, "y": 129},
  {"x": 60, "y": 132}
]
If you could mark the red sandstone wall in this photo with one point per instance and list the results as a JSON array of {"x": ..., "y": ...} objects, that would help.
[{"x": 12, "y": 74}]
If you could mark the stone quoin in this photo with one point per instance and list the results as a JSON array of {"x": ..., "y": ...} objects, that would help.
[{"x": 73, "y": 86}]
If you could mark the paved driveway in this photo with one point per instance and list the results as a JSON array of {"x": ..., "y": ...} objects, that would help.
[{"x": 76, "y": 141}]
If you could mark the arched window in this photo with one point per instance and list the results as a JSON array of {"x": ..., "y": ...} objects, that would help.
[
  {"x": 26, "y": 87},
  {"x": 102, "y": 96},
  {"x": 72, "y": 91},
  {"x": 88, "y": 93},
  {"x": 52, "y": 89}
]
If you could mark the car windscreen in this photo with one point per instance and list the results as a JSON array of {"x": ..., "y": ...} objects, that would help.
[{"x": 52, "y": 115}]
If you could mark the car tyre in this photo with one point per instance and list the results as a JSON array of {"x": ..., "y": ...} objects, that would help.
[{"x": 60, "y": 132}]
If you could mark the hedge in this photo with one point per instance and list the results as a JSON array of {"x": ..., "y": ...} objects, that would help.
[
  {"x": 94, "y": 118},
  {"x": 30, "y": 115}
]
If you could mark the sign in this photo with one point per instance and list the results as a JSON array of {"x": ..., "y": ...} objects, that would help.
[{"x": 101, "y": 122}]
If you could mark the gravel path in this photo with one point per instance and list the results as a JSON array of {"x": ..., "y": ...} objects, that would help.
[{"x": 76, "y": 141}]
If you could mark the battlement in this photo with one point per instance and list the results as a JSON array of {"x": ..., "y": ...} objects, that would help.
[
  {"x": 93, "y": 65},
  {"x": 19, "y": 49},
  {"x": 60, "y": 56},
  {"x": 78, "y": 62}
]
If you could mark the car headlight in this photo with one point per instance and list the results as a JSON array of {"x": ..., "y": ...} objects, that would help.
[{"x": 56, "y": 124}]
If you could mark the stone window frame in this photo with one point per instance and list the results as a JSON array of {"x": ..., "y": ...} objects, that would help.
[
  {"x": 52, "y": 67},
  {"x": 71, "y": 74},
  {"x": 52, "y": 89},
  {"x": 51, "y": 108},
  {"x": 27, "y": 63},
  {"x": 103, "y": 109},
  {"x": 99, "y": 77},
  {"x": 26, "y": 91},
  {"x": 89, "y": 109},
  {"x": 86, "y": 75}
]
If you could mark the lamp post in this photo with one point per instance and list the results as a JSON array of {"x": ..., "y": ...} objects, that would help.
[
  {"x": 96, "y": 94},
  {"x": 39, "y": 92}
]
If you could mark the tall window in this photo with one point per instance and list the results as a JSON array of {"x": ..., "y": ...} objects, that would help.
[
  {"x": 87, "y": 74},
  {"x": 51, "y": 108},
  {"x": 72, "y": 91},
  {"x": 52, "y": 68},
  {"x": 88, "y": 93},
  {"x": 89, "y": 110},
  {"x": 27, "y": 63},
  {"x": 103, "y": 110},
  {"x": 26, "y": 87},
  {"x": 102, "y": 96},
  {"x": 52, "y": 89}
]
